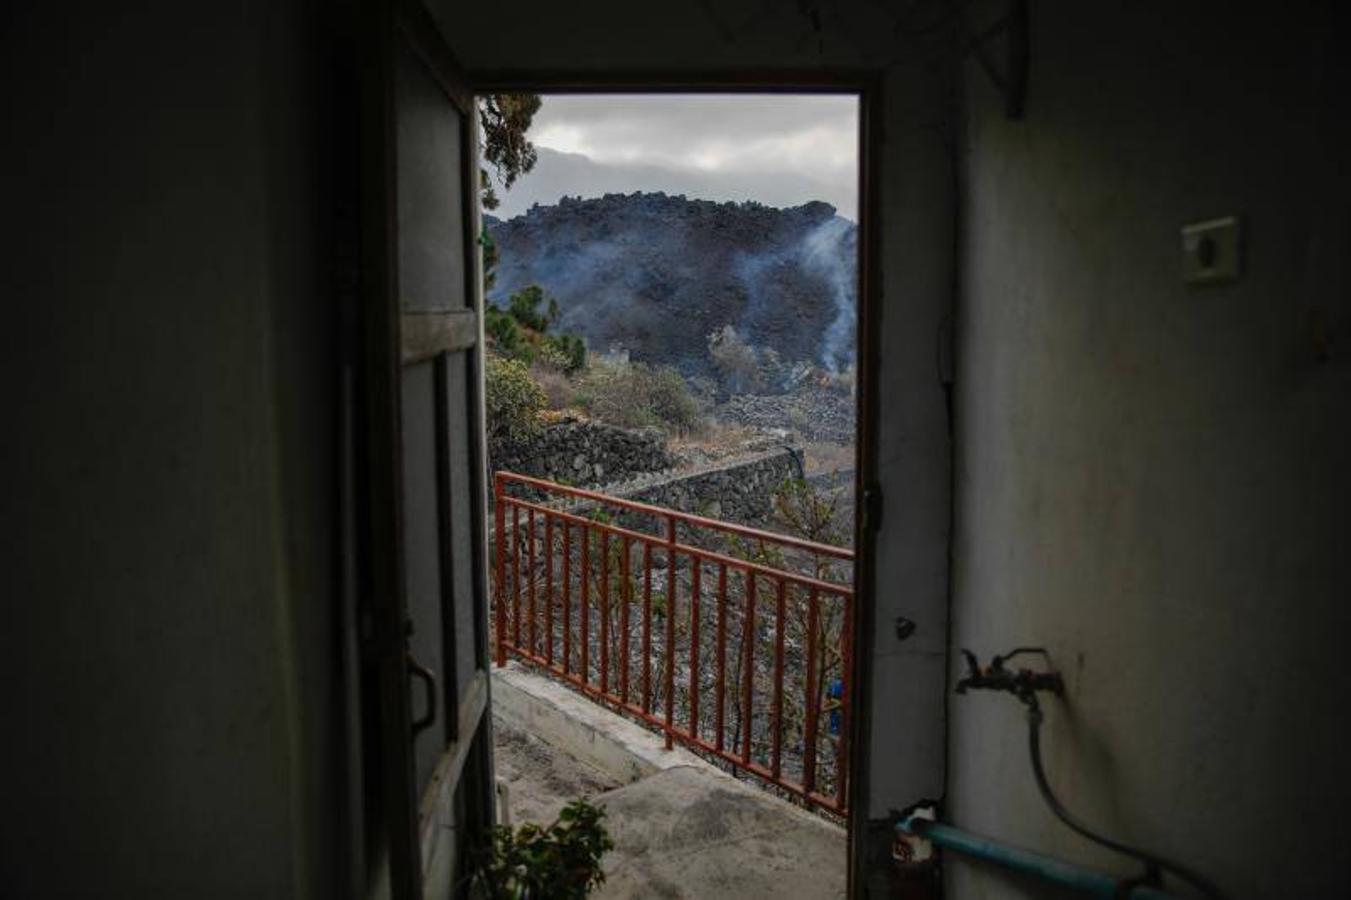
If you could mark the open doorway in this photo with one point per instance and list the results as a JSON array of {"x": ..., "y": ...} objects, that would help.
[{"x": 671, "y": 357}]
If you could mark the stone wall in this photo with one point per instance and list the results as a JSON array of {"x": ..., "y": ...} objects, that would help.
[
  {"x": 588, "y": 454},
  {"x": 739, "y": 491}
]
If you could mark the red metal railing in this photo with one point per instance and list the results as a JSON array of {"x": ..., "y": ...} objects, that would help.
[{"x": 782, "y": 714}]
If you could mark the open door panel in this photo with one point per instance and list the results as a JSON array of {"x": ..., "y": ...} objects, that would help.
[{"x": 425, "y": 707}]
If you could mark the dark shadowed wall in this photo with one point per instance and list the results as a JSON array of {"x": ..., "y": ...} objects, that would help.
[{"x": 168, "y": 529}]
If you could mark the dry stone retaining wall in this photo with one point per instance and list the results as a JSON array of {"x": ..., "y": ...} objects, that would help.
[
  {"x": 586, "y": 454},
  {"x": 738, "y": 491}
]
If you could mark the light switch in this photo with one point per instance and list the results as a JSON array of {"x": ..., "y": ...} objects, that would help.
[{"x": 1210, "y": 251}]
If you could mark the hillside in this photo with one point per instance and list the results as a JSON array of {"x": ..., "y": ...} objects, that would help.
[{"x": 656, "y": 274}]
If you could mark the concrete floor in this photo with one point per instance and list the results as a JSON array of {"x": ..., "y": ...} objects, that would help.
[
  {"x": 540, "y": 779},
  {"x": 684, "y": 832}
]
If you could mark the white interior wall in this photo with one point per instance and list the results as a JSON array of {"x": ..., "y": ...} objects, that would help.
[{"x": 1152, "y": 477}]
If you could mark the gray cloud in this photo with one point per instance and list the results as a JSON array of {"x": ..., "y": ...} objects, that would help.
[{"x": 781, "y": 150}]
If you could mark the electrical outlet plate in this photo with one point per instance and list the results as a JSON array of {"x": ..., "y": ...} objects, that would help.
[{"x": 1211, "y": 251}]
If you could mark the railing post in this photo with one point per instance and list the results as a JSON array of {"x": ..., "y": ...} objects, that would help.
[
  {"x": 567, "y": 596},
  {"x": 695, "y": 588},
  {"x": 548, "y": 590},
  {"x": 776, "y": 739},
  {"x": 586, "y": 605},
  {"x": 846, "y": 671},
  {"x": 647, "y": 627},
  {"x": 530, "y": 582},
  {"x": 500, "y": 588},
  {"x": 813, "y": 708},
  {"x": 670, "y": 628},
  {"x": 748, "y": 674},
  {"x": 721, "y": 702},
  {"x": 625, "y": 597},
  {"x": 604, "y": 612},
  {"x": 515, "y": 541}
]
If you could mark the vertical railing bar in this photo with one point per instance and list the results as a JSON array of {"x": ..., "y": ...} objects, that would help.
[
  {"x": 722, "y": 657},
  {"x": 604, "y": 611},
  {"x": 647, "y": 627},
  {"x": 530, "y": 579},
  {"x": 748, "y": 676},
  {"x": 813, "y": 713},
  {"x": 625, "y": 596},
  {"x": 586, "y": 604},
  {"x": 776, "y": 752},
  {"x": 567, "y": 595},
  {"x": 846, "y": 673},
  {"x": 500, "y": 588},
  {"x": 670, "y": 626},
  {"x": 549, "y": 590},
  {"x": 516, "y": 576},
  {"x": 694, "y": 645}
]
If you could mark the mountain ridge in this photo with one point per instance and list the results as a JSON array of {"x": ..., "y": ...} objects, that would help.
[{"x": 655, "y": 274}]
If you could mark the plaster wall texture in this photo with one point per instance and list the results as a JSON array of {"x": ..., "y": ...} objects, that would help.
[
  {"x": 1152, "y": 478},
  {"x": 166, "y": 467}
]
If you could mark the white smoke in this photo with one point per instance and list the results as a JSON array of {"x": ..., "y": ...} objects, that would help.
[{"x": 824, "y": 252}]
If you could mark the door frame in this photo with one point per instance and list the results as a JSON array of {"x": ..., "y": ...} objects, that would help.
[{"x": 866, "y": 84}]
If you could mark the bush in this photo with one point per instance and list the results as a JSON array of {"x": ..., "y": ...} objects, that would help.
[
  {"x": 670, "y": 399},
  {"x": 504, "y": 333},
  {"x": 519, "y": 331},
  {"x": 549, "y": 358},
  {"x": 572, "y": 349},
  {"x": 736, "y": 361},
  {"x": 808, "y": 512},
  {"x": 634, "y": 395},
  {"x": 524, "y": 307},
  {"x": 513, "y": 403},
  {"x": 562, "y": 860},
  {"x": 558, "y": 389}
]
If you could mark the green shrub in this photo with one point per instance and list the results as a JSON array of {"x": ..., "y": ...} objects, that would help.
[
  {"x": 634, "y": 395},
  {"x": 560, "y": 861},
  {"x": 572, "y": 348},
  {"x": 549, "y": 357},
  {"x": 519, "y": 331},
  {"x": 513, "y": 402},
  {"x": 670, "y": 399},
  {"x": 524, "y": 307},
  {"x": 506, "y": 336}
]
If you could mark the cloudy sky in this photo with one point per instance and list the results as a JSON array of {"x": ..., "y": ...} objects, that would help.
[{"x": 781, "y": 150}]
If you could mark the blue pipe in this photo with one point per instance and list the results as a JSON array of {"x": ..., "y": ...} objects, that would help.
[{"x": 1090, "y": 881}]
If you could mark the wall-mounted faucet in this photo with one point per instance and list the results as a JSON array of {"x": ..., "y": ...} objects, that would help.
[{"x": 1022, "y": 683}]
